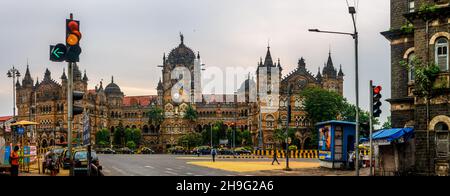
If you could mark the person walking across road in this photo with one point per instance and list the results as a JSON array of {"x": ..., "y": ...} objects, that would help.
[
  {"x": 14, "y": 161},
  {"x": 275, "y": 157},
  {"x": 214, "y": 153}
]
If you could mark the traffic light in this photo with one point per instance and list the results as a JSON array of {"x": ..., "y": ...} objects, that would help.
[
  {"x": 77, "y": 109},
  {"x": 73, "y": 37},
  {"x": 376, "y": 101}
]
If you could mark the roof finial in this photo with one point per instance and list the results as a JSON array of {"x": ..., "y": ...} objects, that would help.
[
  {"x": 112, "y": 79},
  {"x": 181, "y": 38},
  {"x": 268, "y": 43}
]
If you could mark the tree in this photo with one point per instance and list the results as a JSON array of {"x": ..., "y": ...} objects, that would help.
[
  {"x": 155, "y": 116},
  {"x": 190, "y": 114},
  {"x": 237, "y": 136},
  {"x": 348, "y": 113},
  {"x": 102, "y": 137},
  {"x": 119, "y": 135},
  {"x": 206, "y": 136},
  {"x": 191, "y": 140},
  {"x": 387, "y": 124},
  {"x": 131, "y": 145},
  {"x": 321, "y": 105},
  {"x": 247, "y": 138}
]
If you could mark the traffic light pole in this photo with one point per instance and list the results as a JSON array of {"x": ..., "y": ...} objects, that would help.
[
  {"x": 370, "y": 126},
  {"x": 69, "y": 113}
]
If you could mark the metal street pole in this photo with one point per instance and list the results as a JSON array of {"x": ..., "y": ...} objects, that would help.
[
  {"x": 287, "y": 124},
  {"x": 13, "y": 73},
  {"x": 370, "y": 126},
  {"x": 352, "y": 11},
  {"x": 211, "y": 144},
  {"x": 69, "y": 113}
]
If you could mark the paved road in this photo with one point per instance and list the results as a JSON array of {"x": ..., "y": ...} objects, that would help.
[{"x": 155, "y": 165}]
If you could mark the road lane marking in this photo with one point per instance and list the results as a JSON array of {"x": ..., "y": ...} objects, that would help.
[
  {"x": 189, "y": 173},
  {"x": 169, "y": 169},
  {"x": 148, "y": 166},
  {"x": 173, "y": 173}
]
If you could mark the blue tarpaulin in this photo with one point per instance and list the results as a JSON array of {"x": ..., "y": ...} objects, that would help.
[{"x": 392, "y": 134}]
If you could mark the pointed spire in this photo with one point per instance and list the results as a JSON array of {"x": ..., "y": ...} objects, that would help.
[
  {"x": 47, "y": 75},
  {"x": 85, "y": 78},
  {"x": 182, "y": 38},
  {"x": 268, "y": 61},
  {"x": 112, "y": 79},
  {"x": 341, "y": 73},
  {"x": 301, "y": 63},
  {"x": 37, "y": 81},
  {"x": 27, "y": 80},
  {"x": 198, "y": 54},
  {"x": 17, "y": 83},
  {"x": 64, "y": 77},
  {"x": 164, "y": 58},
  {"x": 101, "y": 85}
]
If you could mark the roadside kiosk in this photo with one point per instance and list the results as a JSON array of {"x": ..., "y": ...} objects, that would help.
[{"x": 336, "y": 142}]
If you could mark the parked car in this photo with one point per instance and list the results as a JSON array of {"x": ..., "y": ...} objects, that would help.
[
  {"x": 66, "y": 158},
  {"x": 124, "y": 150},
  {"x": 242, "y": 151},
  {"x": 109, "y": 151},
  {"x": 80, "y": 159},
  {"x": 146, "y": 150}
]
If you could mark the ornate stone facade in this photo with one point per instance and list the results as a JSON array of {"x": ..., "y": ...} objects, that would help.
[{"x": 109, "y": 106}]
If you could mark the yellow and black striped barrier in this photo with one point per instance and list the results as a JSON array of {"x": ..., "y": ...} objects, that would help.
[{"x": 304, "y": 154}]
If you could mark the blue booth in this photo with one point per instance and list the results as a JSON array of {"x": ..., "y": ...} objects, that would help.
[{"x": 336, "y": 142}]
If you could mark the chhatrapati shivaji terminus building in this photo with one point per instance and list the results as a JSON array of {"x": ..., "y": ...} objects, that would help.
[{"x": 45, "y": 102}]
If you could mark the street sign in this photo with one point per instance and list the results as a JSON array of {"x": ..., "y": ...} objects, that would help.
[
  {"x": 86, "y": 129},
  {"x": 58, "y": 52}
]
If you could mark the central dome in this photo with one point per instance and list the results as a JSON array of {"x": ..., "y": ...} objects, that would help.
[
  {"x": 112, "y": 88},
  {"x": 181, "y": 54}
]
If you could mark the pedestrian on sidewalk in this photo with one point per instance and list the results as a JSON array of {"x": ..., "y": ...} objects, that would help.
[
  {"x": 14, "y": 161},
  {"x": 275, "y": 157},
  {"x": 213, "y": 153}
]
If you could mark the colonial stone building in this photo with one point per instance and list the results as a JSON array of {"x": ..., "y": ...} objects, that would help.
[
  {"x": 420, "y": 29},
  {"x": 45, "y": 102}
]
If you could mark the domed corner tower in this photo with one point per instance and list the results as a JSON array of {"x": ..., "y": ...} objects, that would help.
[{"x": 114, "y": 97}]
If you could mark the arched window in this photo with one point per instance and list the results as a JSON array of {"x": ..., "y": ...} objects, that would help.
[
  {"x": 411, "y": 75},
  {"x": 441, "y": 51}
]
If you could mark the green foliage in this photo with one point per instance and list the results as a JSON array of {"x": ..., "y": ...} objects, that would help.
[
  {"x": 191, "y": 114},
  {"x": 321, "y": 105},
  {"x": 155, "y": 116},
  {"x": 119, "y": 135},
  {"x": 131, "y": 145},
  {"x": 387, "y": 124},
  {"x": 247, "y": 138},
  {"x": 407, "y": 28},
  {"x": 292, "y": 147},
  {"x": 190, "y": 140},
  {"x": 427, "y": 8},
  {"x": 206, "y": 136},
  {"x": 237, "y": 136},
  {"x": 425, "y": 76},
  {"x": 102, "y": 137}
]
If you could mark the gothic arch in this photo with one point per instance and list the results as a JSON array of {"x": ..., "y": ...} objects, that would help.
[
  {"x": 438, "y": 35},
  {"x": 439, "y": 119}
]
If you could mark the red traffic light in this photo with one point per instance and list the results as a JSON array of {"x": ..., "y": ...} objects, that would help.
[
  {"x": 73, "y": 26},
  {"x": 377, "y": 90}
]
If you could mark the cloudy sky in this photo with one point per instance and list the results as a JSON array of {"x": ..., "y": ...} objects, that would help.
[{"x": 127, "y": 38}]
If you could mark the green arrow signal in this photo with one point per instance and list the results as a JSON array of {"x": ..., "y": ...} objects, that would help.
[{"x": 55, "y": 52}]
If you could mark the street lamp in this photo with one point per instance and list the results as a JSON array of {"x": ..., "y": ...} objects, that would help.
[
  {"x": 352, "y": 11},
  {"x": 13, "y": 73}
]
